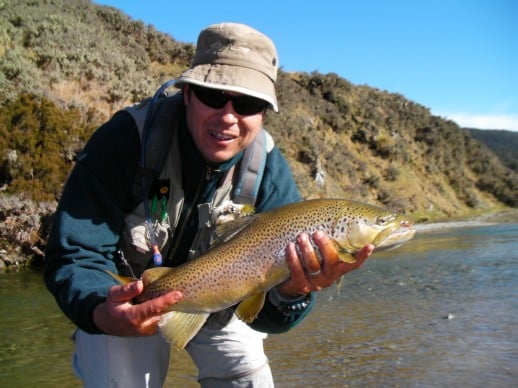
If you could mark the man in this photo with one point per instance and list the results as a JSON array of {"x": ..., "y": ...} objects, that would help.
[{"x": 99, "y": 226}]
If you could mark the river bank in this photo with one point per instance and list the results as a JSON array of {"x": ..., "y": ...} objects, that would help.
[
  {"x": 509, "y": 216},
  {"x": 24, "y": 229}
]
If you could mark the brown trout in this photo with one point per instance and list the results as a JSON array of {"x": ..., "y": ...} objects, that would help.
[{"x": 251, "y": 259}]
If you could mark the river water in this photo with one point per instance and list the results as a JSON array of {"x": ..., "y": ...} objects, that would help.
[{"x": 441, "y": 310}]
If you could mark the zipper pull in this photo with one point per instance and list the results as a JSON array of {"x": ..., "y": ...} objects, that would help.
[{"x": 210, "y": 172}]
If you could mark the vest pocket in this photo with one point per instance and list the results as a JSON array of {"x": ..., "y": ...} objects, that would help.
[{"x": 135, "y": 242}]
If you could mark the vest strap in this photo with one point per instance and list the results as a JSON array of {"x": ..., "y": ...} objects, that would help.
[{"x": 251, "y": 171}]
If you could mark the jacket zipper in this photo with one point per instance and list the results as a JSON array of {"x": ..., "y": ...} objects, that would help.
[{"x": 209, "y": 173}]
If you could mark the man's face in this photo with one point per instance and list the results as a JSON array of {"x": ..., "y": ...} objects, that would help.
[{"x": 219, "y": 133}]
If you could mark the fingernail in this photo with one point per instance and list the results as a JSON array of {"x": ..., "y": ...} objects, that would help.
[{"x": 135, "y": 285}]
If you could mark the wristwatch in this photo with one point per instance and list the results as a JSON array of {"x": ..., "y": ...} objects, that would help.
[{"x": 289, "y": 306}]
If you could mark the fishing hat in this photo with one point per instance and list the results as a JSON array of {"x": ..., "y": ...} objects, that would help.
[{"x": 237, "y": 58}]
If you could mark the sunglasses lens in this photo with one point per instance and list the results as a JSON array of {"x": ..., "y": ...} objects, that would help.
[
  {"x": 216, "y": 99},
  {"x": 213, "y": 98},
  {"x": 248, "y": 105}
]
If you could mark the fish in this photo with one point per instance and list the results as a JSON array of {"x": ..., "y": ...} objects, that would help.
[{"x": 249, "y": 259}]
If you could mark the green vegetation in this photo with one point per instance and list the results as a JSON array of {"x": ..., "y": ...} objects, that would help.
[
  {"x": 75, "y": 50},
  {"x": 67, "y": 65},
  {"x": 503, "y": 143},
  {"x": 38, "y": 142}
]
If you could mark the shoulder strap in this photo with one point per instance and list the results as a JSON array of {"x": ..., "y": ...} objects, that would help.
[
  {"x": 251, "y": 169},
  {"x": 154, "y": 120}
]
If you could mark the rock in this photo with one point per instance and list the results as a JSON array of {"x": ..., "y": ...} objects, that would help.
[{"x": 24, "y": 229}]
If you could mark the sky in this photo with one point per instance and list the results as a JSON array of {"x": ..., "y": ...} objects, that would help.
[{"x": 459, "y": 58}]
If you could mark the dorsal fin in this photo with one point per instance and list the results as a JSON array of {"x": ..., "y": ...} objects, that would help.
[{"x": 224, "y": 232}]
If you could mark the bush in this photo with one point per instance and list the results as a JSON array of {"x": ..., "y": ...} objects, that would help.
[{"x": 38, "y": 144}]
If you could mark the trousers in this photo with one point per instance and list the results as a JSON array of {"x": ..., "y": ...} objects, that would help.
[{"x": 232, "y": 356}]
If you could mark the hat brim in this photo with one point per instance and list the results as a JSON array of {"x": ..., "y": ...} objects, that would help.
[{"x": 232, "y": 78}]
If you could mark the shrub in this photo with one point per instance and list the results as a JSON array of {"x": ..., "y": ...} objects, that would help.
[{"x": 37, "y": 140}]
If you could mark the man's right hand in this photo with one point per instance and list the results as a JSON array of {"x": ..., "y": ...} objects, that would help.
[{"x": 119, "y": 316}]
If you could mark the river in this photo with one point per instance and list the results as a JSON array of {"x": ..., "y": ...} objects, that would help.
[{"x": 441, "y": 310}]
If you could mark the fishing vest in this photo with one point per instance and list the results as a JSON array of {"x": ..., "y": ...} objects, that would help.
[{"x": 160, "y": 162}]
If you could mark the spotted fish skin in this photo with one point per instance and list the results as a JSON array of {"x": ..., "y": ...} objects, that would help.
[{"x": 254, "y": 259}]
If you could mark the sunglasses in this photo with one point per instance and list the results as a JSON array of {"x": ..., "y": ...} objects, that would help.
[{"x": 217, "y": 99}]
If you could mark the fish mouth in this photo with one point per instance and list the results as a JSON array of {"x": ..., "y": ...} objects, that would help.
[{"x": 396, "y": 239}]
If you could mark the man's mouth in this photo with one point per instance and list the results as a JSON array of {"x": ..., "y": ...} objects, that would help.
[{"x": 221, "y": 136}]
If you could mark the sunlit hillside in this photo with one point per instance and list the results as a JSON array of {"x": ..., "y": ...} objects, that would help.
[{"x": 67, "y": 65}]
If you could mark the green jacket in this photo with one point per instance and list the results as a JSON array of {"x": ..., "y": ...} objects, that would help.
[{"x": 88, "y": 223}]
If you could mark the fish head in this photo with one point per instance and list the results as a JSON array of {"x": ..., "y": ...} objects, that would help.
[
  {"x": 397, "y": 231},
  {"x": 364, "y": 224}
]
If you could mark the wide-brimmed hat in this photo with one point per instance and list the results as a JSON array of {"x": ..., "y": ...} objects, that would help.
[{"x": 234, "y": 57}]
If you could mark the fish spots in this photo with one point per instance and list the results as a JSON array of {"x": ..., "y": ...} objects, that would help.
[{"x": 254, "y": 259}]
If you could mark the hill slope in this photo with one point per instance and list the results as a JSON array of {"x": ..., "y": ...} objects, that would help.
[
  {"x": 74, "y": 63},
  {"x": 503, "y": 143}
]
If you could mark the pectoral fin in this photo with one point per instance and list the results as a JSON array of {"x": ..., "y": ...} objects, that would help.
[
  {"x": 179, "y": 328},
  {"x": 344, "y": 254},
  {"x": 249, "y": 308}
]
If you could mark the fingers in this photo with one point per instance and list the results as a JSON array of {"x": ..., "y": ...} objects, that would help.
[
  {"x": 331, "y": 259},
  {"x": 298, "y": 283},
  {"x": 365, "y": 252},
  {"x": 306, "y": 265},
  {"x": 153, "y": 308},
  {"x": 363, "y": 255},
  {"x": 314, "y": 264},
  {"x": 119, "y": 316},
  {"x": 309, "y": 257},
  {"x": 327, "y": 249},
  {"x": 319, "y": 258},
  {"x": 148, "y": 313},
  {"x": 125, "y": 293},
  {"x": 293, "y": 261}
]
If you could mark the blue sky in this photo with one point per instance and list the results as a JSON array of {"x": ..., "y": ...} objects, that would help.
[{"x": 459, "y": 58}]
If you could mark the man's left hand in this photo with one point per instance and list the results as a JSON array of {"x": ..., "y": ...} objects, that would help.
[{"x": 308, "y": 272}]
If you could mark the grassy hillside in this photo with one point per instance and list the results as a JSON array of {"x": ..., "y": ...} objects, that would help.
[
  {"x": 503, "y": 143},
  {"x": 76, "y": 52},
  {"x": 67, "y": 65}
]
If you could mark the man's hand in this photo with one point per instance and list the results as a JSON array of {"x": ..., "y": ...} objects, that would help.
[
  {"x": 119, "y": 316},
  {"x": 308, "y": 273}
]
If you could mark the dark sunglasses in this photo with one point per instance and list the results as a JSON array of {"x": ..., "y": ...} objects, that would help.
[{"x": 217, "y": 99}]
